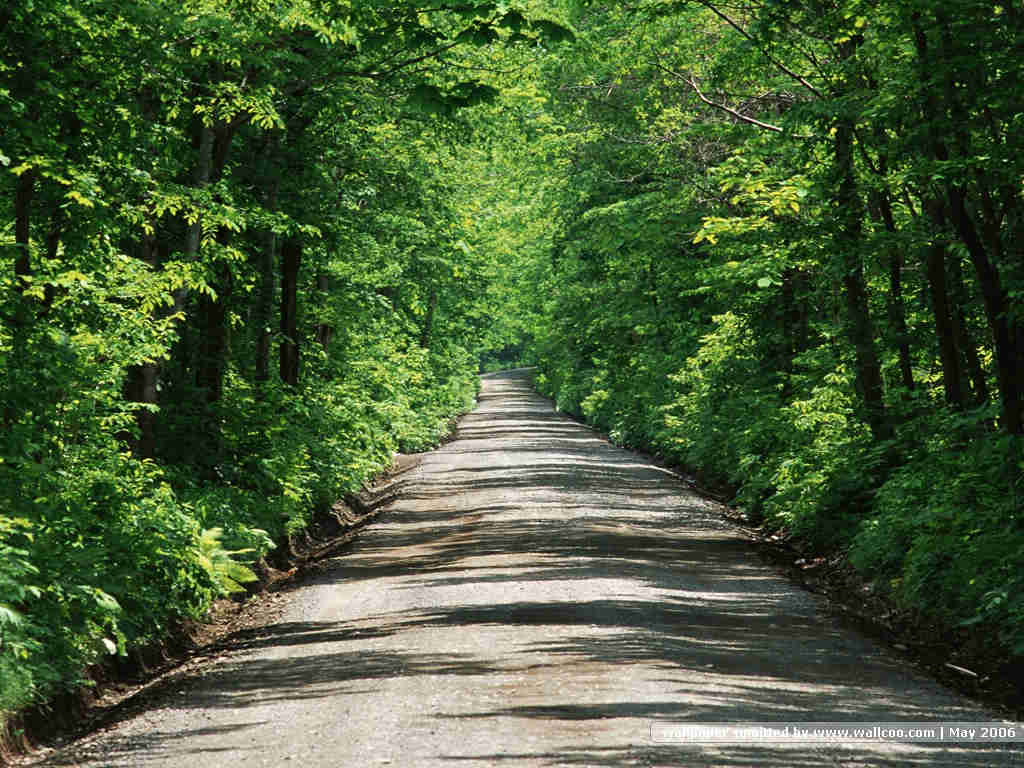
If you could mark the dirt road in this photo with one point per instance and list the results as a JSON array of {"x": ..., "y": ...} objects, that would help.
[{"x": 537, "y": 597}]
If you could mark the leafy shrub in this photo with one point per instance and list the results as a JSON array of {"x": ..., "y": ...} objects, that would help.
[
  {"x": 724, "y": 418},
  {"x": 946, "y": 535},
  {"x": 101, "y": 552},
  {"x": 819, "y": 474}
]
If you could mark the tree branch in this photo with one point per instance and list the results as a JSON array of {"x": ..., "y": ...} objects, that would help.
[
  {"x": 409, "y": 62},
  {"x": 729, "y": 110},
  {"x": 799, "y": 78}
]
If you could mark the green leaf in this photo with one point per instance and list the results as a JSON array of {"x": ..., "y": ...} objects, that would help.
[
  {"x": 554, "y": 32},
  {"x": 9, "y": 616},
  {"x": 478, "y": 34}
]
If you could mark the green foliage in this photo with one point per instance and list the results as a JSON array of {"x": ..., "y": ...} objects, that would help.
[
  {"x": 818, "y": 478},
  {"x": 248, "y": 252},
  {"x": 182, "y": 209},
  {"x": 945, "y": 536},
  {"x": 781, "y": 247},
  {"x": 223, "y": 566},
  {"x": 18, "y": 583},
  {"x": 722, "y": 420}
]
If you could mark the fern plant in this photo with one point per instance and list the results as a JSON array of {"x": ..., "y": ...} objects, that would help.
[{"x": 227, "y": 573}]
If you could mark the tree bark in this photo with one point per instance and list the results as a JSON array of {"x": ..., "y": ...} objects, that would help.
[
  {"x": 23, "y": 194},
  {"x": 860, "y": 328},
  {"x": 996, "y": 305},
  {"x": 141, "y": 384},
  {"x": 1007, "y": 339},
  {"x": 291, "y": 260},
  {"x": 958, "y": 296},
  {"x": 952, "y": 376},
  {"x": 324, "y": 330},
  {"x": 894, "y": 301},
  {"x": 200, "y": 180},
  {"x": 213, "y": 310},
  {"x": 213, "y": 340},
  {"x": 267, "y": 255}
]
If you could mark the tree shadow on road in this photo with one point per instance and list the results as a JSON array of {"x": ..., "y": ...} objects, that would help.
[{"x": 725, "y": 637}]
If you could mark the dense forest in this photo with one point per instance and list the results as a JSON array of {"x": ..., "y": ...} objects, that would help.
[
  {"x": 252, "y": 249},
  {"x": 787, "y": 252},
  {"x": 236, "y": 283}
]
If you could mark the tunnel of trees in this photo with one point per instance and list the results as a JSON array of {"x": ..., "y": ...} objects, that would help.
[{"x": 251, "y": 249}]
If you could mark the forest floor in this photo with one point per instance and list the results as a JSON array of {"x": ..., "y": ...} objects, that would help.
[{"x": 531, "y": 595}]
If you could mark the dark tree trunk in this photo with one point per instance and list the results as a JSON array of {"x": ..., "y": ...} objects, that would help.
[
  {"x": 894, "y": 301},
  {"x": 952, "y": 376},
  {"x": 267, "y": 255},
  {"x": 184, "y": 355},
  {"x": 324, "y": 330},
  {"x": 57, "y": 221},
  {"x": 142, "y": 380},
  {"x": 200, "y": 180},
  {"x": 213, "y": 310},
  {"x": 958, "y": 294},
  {"x": 291, "y": 260},
  {"x": 23, "y": 195},
  {"x": 996, "y": 306},
  {"x": 1006, "y": 339},
  {"x": 213, "y": 340},
  {"x": 860, "y": 328}
]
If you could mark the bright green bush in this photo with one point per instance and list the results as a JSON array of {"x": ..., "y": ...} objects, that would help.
[
  {"x": 724, "y": 417},
  {"x": 19, "y": 584},
  {"x": 102, "y": 560},
  {"x": 101, "y": 552}
]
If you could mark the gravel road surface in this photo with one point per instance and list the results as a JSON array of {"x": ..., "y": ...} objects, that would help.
[{"x": 537, "y": 597}]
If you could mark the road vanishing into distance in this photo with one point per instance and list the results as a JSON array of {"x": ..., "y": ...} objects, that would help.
[{"x": 534, "y": 596}]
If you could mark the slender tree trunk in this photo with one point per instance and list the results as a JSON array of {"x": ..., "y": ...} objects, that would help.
[
  {"x": 146, "y": 392},
  {"x": 200, "y": 180},
  {"x": 894, "y": 301},
  {"x": 952, "y": 377},
  {"x": 213, "y": 310},
  {"x": 324, "y": 330},
  {"x": 23, "y": 194},
  {"x": 996, "y": 306},
  {"x": 860, "y": 328},
  {"x": 291, "y": 260},
  {"x": 57, "y": 221},
  {"x": 1006, "y": 338},
  {"x": 992, "y": 251},
  {"x": 267, "y": 254},
  {"x": 958, "y": 294},
  {"x": 141, "y": 384},
  {"x": 213, "y": 341}
]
